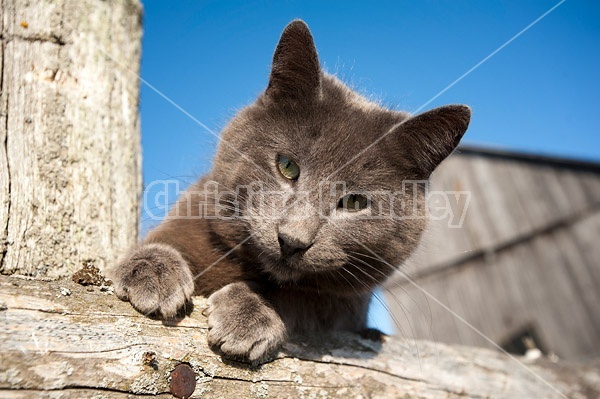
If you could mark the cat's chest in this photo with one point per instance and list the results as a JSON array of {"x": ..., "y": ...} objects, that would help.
[{"x": 308, "y": 312}]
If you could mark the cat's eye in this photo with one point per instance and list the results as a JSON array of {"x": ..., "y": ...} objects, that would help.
[
  {"x": 288, "y": 168},
  {"x": 353, "y": 202}
]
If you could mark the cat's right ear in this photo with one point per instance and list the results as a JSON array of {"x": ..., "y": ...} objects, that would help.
[
  {"x": 428, "y": 138},
  {"x": 295, "y": 73}
]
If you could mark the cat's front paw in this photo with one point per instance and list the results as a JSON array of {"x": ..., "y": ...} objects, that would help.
[
  {"x": 243, "y": 326},
  {"x": 155, "y": 279}
]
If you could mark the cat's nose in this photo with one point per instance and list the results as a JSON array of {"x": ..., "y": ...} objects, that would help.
[{"x": 291, "y": 245}]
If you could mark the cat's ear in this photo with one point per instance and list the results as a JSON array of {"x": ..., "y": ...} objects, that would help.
[
  {"x": 427, "y": 139},
  {"x": 295, "y": 73}
]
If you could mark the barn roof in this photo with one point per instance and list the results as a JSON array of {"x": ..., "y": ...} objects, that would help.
[
  {"x": 528, "y": 157},
  {"x": 526, "y": 255},
  {"x": 527, "y": 252},
  {"x": 514, "y": 197}
]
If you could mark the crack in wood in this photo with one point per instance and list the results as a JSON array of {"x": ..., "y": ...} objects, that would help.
[
  {"x": 122, "y": 348},
  {"x": 3, "y": 92},
  {"x": 81, "y": 387},
  {"x": 139, "y": 319},
  {"x": 428, "y": 383},
  {"x": 279, "y": 381},
  {"x": 37, "y": 37},
  {"x": 358, "y": 366}
]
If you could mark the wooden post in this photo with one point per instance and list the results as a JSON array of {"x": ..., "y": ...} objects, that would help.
[{"x": 70, "y": 177}]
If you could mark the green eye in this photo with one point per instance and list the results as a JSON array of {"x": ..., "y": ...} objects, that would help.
[
  {"x": 353, "y": 202},
  {"x": 288, "y": 168}
]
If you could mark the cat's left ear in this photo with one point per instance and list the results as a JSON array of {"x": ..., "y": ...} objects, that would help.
[
  {"x": 295, "y": 73},
  {"x": 427, "y": 139}
]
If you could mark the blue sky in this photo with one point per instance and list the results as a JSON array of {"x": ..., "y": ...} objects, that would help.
[{"x": 540, "y": 93}]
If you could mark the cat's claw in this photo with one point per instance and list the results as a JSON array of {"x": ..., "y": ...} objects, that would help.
[
  {"x": 242, "y": 325},
  {"x": 155, "y": 279}
]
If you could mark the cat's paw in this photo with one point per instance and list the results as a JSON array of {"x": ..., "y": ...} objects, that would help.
[
  {"x": 155, "y": 279},
  {"x": 242, "y": 325}
]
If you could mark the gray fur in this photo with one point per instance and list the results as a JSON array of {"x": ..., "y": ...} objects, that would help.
[{"x": 261, "y": 292}]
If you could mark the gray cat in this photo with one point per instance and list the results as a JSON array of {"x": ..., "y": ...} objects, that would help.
[{"x": 294, "y": 226}]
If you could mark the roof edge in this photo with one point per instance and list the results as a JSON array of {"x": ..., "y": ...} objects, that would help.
[{"x": 523, "y": 156}]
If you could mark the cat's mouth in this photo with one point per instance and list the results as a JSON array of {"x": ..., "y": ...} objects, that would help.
[{"x": 287, "y": 268}]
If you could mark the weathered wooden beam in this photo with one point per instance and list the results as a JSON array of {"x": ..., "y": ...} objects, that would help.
[{"x": 60, "y": 339}]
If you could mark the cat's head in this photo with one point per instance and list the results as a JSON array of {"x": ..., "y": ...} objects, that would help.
[{"x": 325, "y": 179}]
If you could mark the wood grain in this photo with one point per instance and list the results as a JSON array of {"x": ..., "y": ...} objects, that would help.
[
  {"x": 89, "y": 344},
  {"x": 70, "y": 178}
]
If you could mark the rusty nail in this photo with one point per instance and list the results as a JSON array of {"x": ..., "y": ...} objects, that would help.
[{"x": 183, "y": 381}]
